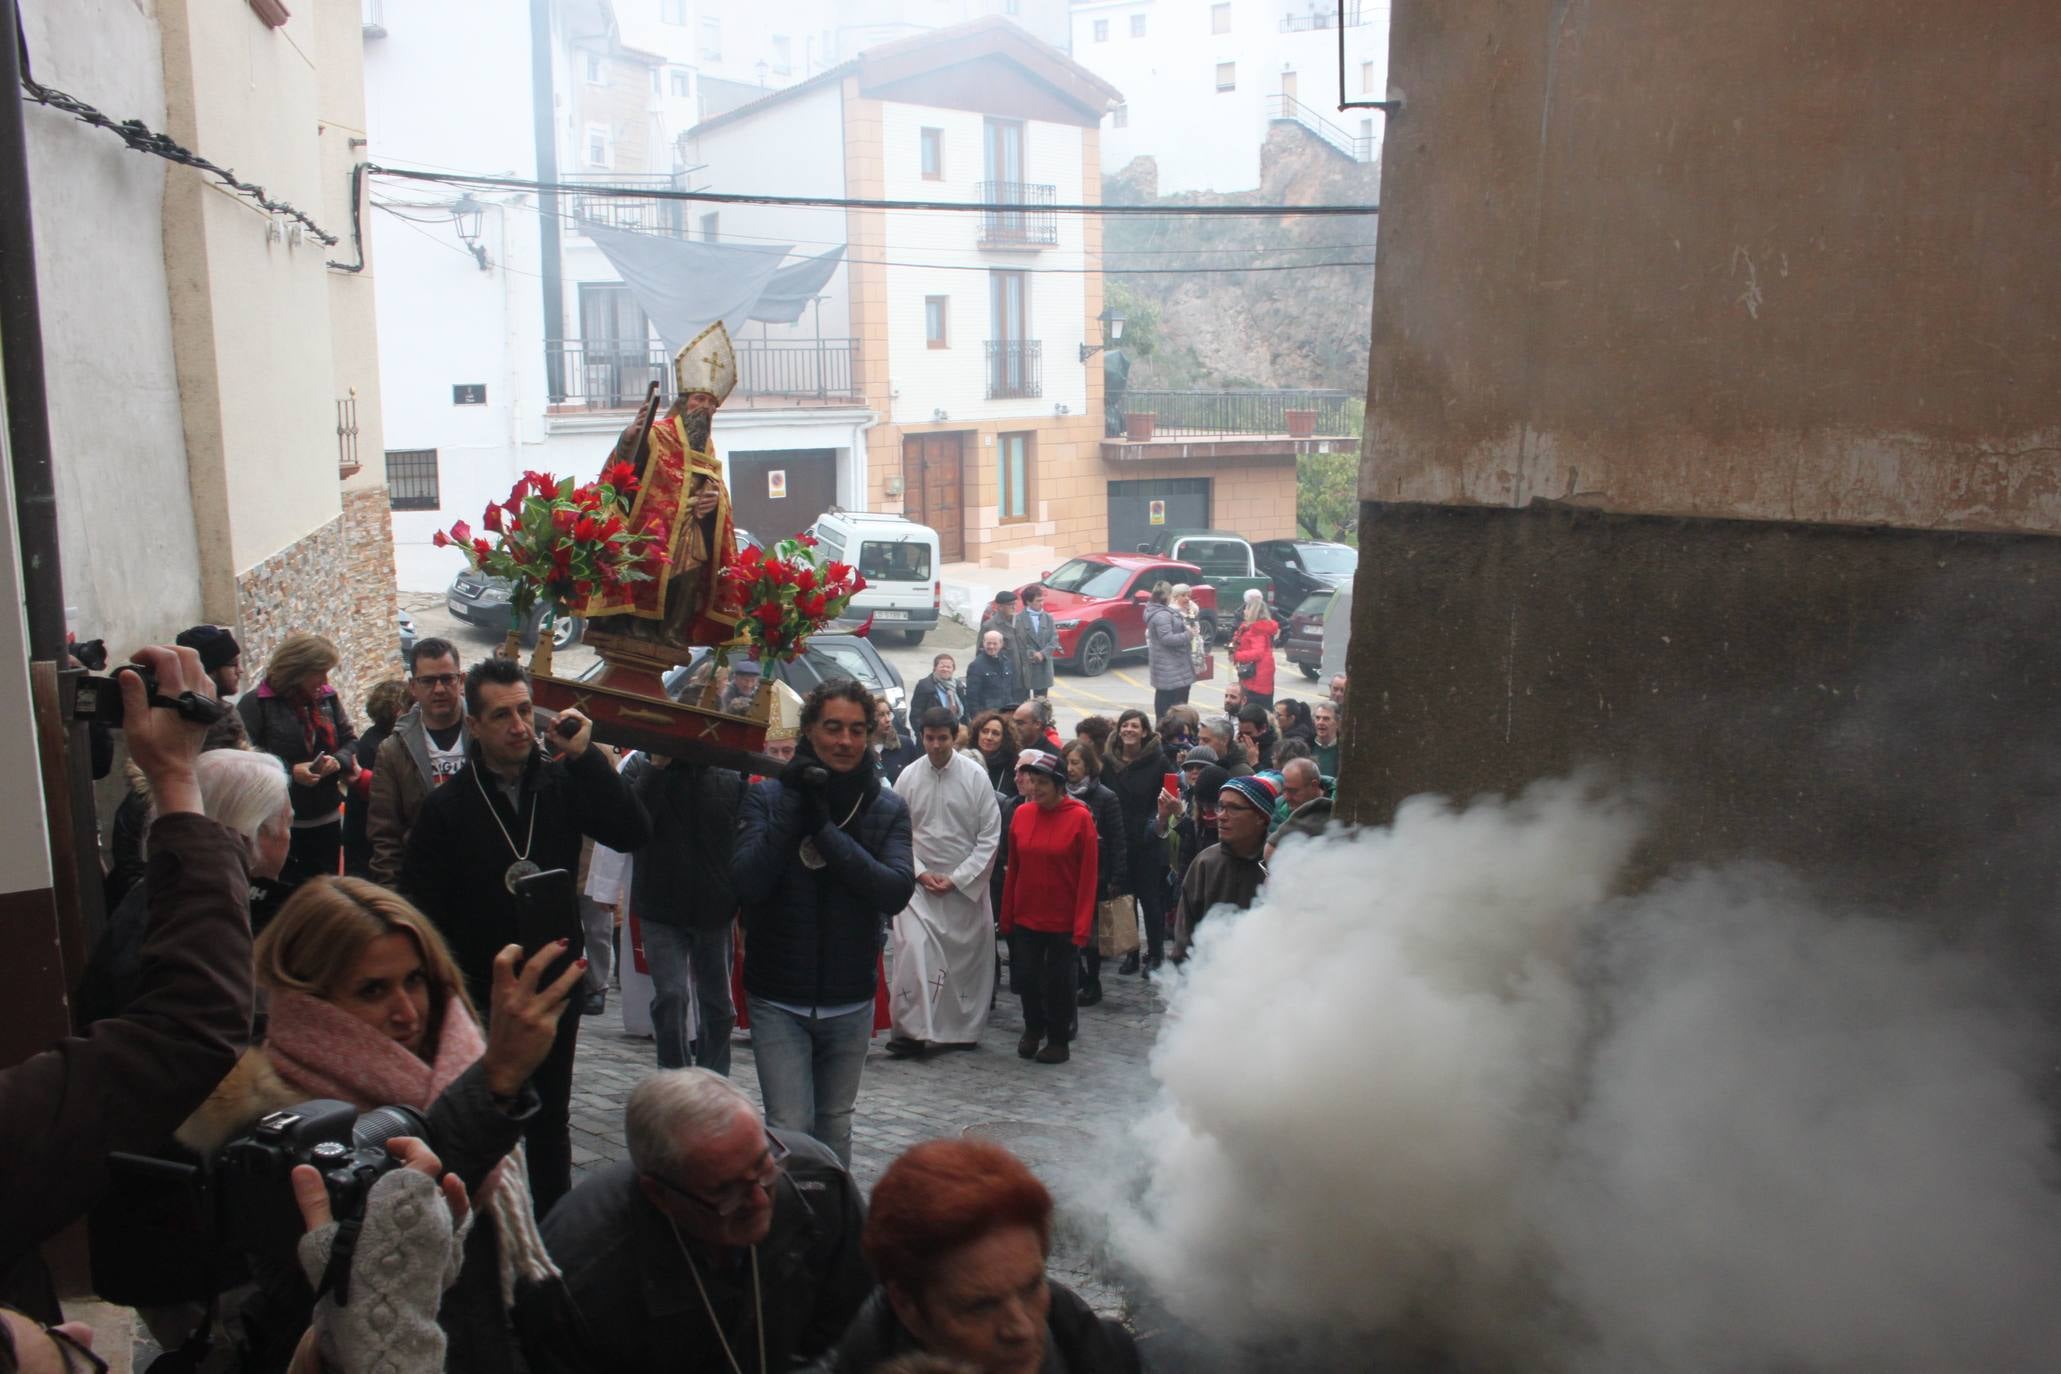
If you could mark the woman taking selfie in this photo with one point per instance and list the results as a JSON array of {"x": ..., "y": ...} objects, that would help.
[{"x": 368, "y": 1007}]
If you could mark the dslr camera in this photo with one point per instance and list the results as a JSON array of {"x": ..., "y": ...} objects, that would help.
[{"x": 254, "y": 1194}]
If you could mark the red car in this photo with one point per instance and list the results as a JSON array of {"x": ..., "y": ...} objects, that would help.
[{"x": 1097, "y": 603}]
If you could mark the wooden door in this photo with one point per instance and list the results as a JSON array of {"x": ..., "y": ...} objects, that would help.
[{"x": 934, "y": 472}]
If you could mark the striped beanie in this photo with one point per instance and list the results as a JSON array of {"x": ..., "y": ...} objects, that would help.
[{"x": 1260, "y": 791}]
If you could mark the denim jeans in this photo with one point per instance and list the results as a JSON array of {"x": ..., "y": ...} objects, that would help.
[
  {"x": 809, "y": 1070},
  {"x": 676, "y": 954}
]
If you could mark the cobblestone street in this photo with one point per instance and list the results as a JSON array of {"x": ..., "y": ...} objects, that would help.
[{"x": 1063, "y": 1120}]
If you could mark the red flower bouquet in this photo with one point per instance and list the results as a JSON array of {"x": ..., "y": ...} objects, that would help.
[
  {"x": 560, "y": 541},
  {"x": 785, "y": 595}
]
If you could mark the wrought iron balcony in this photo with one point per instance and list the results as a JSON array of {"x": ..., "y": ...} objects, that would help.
[
  {"x": 600, "y": 375},
  {"x": 1036, "y": 225},
  {"x": 611, "y": 209},
  {"x": 1016, "y": 369}
]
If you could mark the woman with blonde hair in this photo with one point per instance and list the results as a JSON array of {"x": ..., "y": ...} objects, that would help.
[
  {"x": 296, "y": 716},
  {"x": 1252, "y": 650},
  {"x": 368, "y": 1007}
]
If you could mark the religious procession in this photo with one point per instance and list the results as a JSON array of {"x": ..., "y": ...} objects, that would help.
[{"x": 1029, "y": 687}]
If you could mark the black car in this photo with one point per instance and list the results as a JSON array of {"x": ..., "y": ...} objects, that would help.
[
  {"x": 1303, "y": 567},
  {"x": 480, "y": 600}
]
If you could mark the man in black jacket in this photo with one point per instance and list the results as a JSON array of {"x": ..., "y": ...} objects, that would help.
[
  {"x": 686, "y": 903},
  {"x": 938, "y": 690},
  {"x": 992, "y": 683},
  {"x": 823, "y": 863},
  {"x": 718, "y": 1244},
  {"x": 507, "y": 813}
]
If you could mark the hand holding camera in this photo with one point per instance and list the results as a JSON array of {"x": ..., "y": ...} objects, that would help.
[
  {"x": 311, "y": 1193},
  {"x": 164, "y": 703}
]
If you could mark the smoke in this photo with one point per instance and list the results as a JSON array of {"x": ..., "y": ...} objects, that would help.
[{"x": 1442, "y": 1081}]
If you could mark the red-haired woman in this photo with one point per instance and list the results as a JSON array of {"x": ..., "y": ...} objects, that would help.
[{"x": 958, "y": 1233}]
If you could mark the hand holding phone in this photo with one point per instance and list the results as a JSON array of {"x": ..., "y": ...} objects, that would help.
[{"x": 572, "y": 732}]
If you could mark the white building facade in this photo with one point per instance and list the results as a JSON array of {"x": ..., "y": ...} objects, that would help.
[{"x": 1204, "y": 79}]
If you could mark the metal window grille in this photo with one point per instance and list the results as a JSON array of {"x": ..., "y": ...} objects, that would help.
[
  {"x": 411, "y": 479},
  {"x": 347, "y": 435}
]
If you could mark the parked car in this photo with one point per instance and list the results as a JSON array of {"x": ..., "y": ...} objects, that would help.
[
  {"x": 1097, "y": 605},
  {"x": 1302, "y": 641},
  {"x": 480, "y": 600},
  {"x": 828, "y": 656},
  {"x": 407, "y": 626},
  {"x": 1303, "y": 567},
  {"x": 901, "y": 563},
  {"x": 1225, "y": 563}
]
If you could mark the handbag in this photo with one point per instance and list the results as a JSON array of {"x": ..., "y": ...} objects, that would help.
[
  {"x": 1116, "y": 927},
  {"x": 1248, "y": 669},
  {"x": 1207, "y": 669}
]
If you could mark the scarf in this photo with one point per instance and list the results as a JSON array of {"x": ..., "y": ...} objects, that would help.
[
  {"x": 846, "y": 790},
  {"x": 323, "y": 1051},
  {"x": 318, "y": 728}
]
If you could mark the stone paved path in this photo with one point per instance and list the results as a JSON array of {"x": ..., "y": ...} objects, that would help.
[{"x": 1063, "y": 1120}]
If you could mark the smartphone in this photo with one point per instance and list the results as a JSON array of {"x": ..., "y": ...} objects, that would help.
[
  {"x": 547, "y": 910},
  {"x": 1172, "y": 783}
]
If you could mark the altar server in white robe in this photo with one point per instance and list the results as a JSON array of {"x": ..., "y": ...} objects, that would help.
[{"x": 944, "y": 944}]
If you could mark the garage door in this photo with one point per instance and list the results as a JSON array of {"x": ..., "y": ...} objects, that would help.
[
  {"x": 1181, "y": 503},
  {"x": 778, "y": 493}
]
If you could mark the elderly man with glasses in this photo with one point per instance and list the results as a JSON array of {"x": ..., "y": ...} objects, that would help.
[
  {"x": 719, "y": 1244},
  {"x": 427, "y": 746}
]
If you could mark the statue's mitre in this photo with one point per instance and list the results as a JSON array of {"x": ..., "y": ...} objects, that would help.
[{"x": 708, "y": 364}]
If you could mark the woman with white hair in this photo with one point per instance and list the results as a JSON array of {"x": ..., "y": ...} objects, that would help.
[
  {"x": 244, "y": 791},
  {"x": 1252, "y": 649}
]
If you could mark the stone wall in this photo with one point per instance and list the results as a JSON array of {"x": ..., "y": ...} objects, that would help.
[{"x": 337, "y": 582}]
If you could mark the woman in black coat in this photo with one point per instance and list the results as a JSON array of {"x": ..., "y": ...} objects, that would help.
[
  {"x": 1136, "y": 772},
  {"x": 1083, "y": 782},
  {"x": 295, "y": 716},
  {"x": 994, "y": 748}
]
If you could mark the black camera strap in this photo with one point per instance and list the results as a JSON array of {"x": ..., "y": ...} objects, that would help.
[{"x": 336, "y": 1278}]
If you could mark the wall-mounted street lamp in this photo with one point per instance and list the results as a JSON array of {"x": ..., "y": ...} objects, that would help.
[
  {"x": 1112, "y": 330},
  {"x": 466, "y": 215}
]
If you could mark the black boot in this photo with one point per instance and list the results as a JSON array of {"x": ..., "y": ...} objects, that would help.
[{"x": 1130, "y": 964}]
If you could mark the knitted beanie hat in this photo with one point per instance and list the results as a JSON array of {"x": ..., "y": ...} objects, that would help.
[
  {"x": 215, "y": 645},
  {"x": 1259, "y": 791}
]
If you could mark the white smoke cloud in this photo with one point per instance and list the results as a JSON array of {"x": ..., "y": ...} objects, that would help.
[{"x": 1443, "y": 1080}]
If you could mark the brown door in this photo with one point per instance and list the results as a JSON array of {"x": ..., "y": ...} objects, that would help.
[
  {"x": 933, "y": 466},
  {"x": 778, "y": 493}
]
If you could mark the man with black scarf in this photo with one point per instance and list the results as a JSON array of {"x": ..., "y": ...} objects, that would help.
[{"x": 823, "y": 862}]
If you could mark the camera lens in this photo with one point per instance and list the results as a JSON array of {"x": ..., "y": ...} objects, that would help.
[{"x": 381, "y": 1124}]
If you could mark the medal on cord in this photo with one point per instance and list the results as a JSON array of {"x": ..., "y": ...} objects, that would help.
[{"x": 523, "y": 867}]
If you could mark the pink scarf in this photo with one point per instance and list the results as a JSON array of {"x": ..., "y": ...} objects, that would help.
[{"x": 323, "y": 1051}]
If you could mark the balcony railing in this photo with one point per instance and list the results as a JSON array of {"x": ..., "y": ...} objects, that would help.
[
  {"x": 771, "y": 372},
  {"x": 1016, "y": 368},
  {"x": 1325, "y": 18},
  {"x": 1034, "y": 226},
  {"x": 1287, "y": 107},
  {"x": 1187, "y": 413},
  {"x": 636, "y": 214}
]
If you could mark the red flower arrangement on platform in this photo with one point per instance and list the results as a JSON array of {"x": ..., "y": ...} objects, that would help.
[
  {"x": 561, "y": 541},
  {"x": 787, "y": 594}
]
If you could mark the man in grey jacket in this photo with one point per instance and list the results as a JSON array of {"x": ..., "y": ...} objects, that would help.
[
  {"x": 1037, "y": 642},
  {"x": 426, "y": 747}
]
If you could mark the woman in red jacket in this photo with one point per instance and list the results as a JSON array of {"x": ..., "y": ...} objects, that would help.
[
  {"x": 1048, "y": 903},
  {"x": 1252, "y": 649}
]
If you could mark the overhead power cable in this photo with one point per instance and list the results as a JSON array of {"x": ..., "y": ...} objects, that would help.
[
  {"x": 144, "y": 139},
  {"x": 848, "y": 203}
]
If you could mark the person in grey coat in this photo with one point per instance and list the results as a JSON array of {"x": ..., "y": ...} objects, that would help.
[
  {"x": 1168, "y": 660},
  {"x": 1037, "y": 642}
]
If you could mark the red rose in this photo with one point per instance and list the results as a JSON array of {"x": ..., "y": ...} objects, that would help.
[
  {"x": 562, "y": 520},
  {"x": 838, "y": 572},
  {"x": 586, "y": 529},
  {"x": 805, "y": 580},
  {"x": 859, "y": 585},
  {"x": 440, "y": 539},
  {"x": 770, "y": 614},
  {"x": 612, "y": 527},
  {"x": 462, "y": 532},
  {"x": 492, "y": 519},
  {"x": 583, "y": 589},
  {"x": 810, "y": 604},
  {"x": 482, "y": 548},
  {"x": 806, "y": 540},
  {"x": 865, "y": 629}
]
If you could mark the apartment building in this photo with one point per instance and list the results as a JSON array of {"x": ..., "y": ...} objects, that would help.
[{"x": 1203, "y": 81}]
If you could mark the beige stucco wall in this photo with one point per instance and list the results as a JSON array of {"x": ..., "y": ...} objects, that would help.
[{"x": 250, "y": 313}]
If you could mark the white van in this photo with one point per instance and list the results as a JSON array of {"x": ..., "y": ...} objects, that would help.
[{"x": 899, "y": 560}]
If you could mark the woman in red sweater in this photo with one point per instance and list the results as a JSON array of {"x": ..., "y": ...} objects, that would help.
[{"x": 1048, "y": 902}]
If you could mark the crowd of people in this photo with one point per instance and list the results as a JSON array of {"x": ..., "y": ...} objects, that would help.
[{"x": 418, "y": 917}]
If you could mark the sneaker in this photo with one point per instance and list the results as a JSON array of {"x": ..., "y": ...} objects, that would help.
[
  {"x": 595, "y": 1004},
  {"x": 1027, "y": 1047},
  {"x": 1054, "y": 1053}
]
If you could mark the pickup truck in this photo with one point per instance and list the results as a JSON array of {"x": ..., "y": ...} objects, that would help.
[{"x": 1226, "y": 562}]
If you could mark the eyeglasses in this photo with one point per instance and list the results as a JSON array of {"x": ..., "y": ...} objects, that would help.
[
  {"x": 733, "y": 1198},
  {"x": 77, "y": 1358},
  {"x": 439, "y": 680}
]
